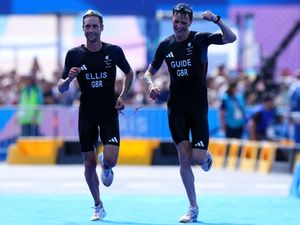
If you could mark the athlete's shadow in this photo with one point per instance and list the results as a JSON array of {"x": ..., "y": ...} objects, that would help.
[
  {"x": 208, "y": 223},
  {"x": 171, "y": 223},
  {"x": 132, "y": 223}
]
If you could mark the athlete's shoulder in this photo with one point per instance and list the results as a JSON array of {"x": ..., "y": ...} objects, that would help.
[
  {"x": 77, "y": 50},
  {"x": 167, "y": 41},
  {"x": 110, "y": 47},
  {"x": 199, "y": 35},
  {"x": 115, "y": 52}
]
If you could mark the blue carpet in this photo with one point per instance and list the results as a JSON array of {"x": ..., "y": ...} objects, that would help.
[{"x": 147, "y": 210}]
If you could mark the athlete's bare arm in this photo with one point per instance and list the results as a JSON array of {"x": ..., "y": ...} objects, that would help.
[
  {"x": 63, "y": 84},
  {"x": 228, "y": 35},
  {"x": 154, "y": 91},
  {"x": 126, "y": 86}
]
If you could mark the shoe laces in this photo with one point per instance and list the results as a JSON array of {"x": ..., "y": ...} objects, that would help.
[
  {"x": 107, "y": 172},
  {"x": 192, "y": 212},
  {"x": 97, "y": 208},
  {"x": 208, "y": 160}
]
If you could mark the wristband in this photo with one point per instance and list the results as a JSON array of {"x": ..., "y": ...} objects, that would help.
[
  {"x": 218, "y": 19},
  {"x": 69, "y": 80}
]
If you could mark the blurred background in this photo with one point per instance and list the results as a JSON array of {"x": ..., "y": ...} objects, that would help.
[{"x": 34, "y": 39}]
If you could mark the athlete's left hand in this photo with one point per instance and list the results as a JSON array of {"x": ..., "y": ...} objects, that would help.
[
  {"x": 119, "y": 104},
  {"x": 154, "y": 93}
]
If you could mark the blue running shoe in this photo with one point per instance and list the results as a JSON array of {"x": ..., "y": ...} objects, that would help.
[
  {"x": 107, "y": 175},
  {"x": 206, "y": 166}
]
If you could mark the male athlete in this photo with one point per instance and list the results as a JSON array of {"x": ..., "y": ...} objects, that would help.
[
  {"x": 94, "y": 67},
  {"x": 185, "y": 53}
]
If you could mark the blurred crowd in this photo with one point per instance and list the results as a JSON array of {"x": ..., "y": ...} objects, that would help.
[{"x": 251, "y": 91}]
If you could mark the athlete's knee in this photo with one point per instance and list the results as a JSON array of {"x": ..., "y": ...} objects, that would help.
[
  {"x": 185, "y": 144},
  {"x": 90, "y": 165},
  {"x": 111, "y": 153},
  {"x": 184, "y": 157},
  {"x": 199, "y": 156}
]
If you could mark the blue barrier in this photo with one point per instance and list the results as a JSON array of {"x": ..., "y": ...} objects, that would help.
[
  {"x": 149, "y": 122},
  {"x": 152, "y": 122}
]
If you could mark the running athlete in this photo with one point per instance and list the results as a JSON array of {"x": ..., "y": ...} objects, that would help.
[
  {"x": 94, "y": 67},
  {"x": 185, "y": 53}
]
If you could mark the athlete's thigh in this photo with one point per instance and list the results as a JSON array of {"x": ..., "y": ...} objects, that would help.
[
  {"x": 199, "y": 129},
  {"x": 110, "y": 132},
  {"x": 88, "y": 134},
  {"x": 178, "y": 125}
]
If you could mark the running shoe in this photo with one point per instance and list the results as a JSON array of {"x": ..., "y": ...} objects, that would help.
[
  {"x": 206, "y": 166},
  {"x": 191, "y": 216},
  {"x": 107, "y": 175},
  {"x": 99, "y": 213}
]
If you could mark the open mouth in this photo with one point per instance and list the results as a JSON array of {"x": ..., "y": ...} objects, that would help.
[{"x": 179, "y": 31}]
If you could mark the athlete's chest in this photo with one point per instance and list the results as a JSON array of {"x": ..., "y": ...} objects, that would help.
[
  {"x": 98, "y": 71},
  {"x": 97, "y": 62},
  {"x": 181, "y": 58},
  {"x": 181, "y": 54}
]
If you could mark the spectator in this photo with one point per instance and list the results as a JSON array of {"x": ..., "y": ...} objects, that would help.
[
  {"x": 294, "y": 94},
  {"x": 30, "y": 99},
  {"x": 48, "y": 92},
  {"x": 232, "y": 112},
  {"x": 263, "y": 116}
]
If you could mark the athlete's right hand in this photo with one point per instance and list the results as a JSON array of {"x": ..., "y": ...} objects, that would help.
[
  {"x": 154, "y": 93},
  {"x": 74, "y": 71},
  {"x": 209, "y": 16}
]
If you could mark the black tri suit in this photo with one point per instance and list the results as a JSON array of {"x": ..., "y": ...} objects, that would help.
[
  {"x": 97, "y": 84},
  {"x": 187, "y": 63}
]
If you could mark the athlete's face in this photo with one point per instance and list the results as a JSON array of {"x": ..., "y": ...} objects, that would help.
[
  {"x": 92, "y": 29},
  {"x": 181, "y": 24}
]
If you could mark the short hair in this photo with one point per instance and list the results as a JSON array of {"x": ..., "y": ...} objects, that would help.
[
  {"x": 267, "y": 97},
  {"x": 92, "y": 12},
  {"x": 183, "y": 9},
  {"x": 232, "y": 85}
]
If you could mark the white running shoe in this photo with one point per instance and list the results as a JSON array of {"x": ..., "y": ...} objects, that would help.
[
  {"x": 107, "y": 175},
  {"x": 99, "y": 213},
  {"x": 191, "y": 216},
  {"x": 206, "y": 166}
]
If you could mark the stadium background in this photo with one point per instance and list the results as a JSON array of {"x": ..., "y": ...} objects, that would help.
[
  {"x": 45, "y": 31},
  {"x": 249, "y": 184}
]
